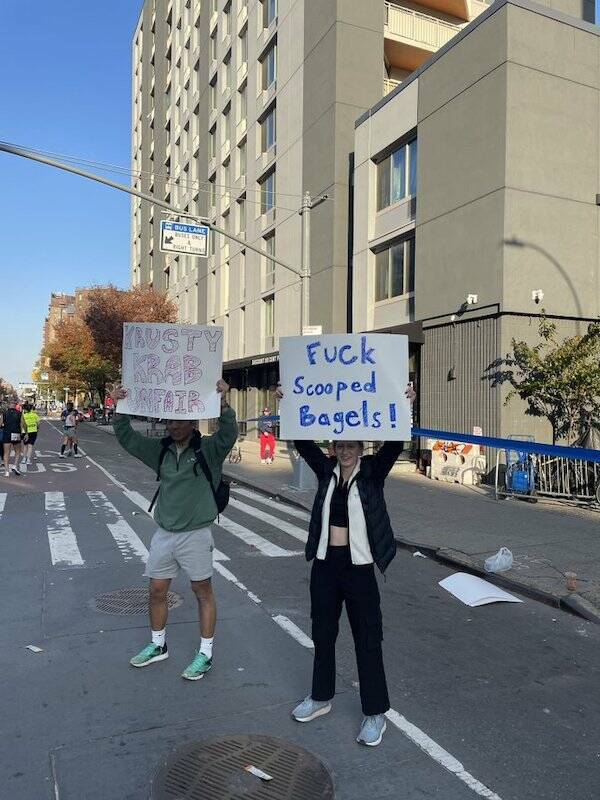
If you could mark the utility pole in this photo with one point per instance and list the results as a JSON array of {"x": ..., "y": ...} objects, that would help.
[
  {"x": 307, "y": 206},
  {"x": 303, "y": 478}
]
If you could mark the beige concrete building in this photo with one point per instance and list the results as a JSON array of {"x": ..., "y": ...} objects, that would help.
[
  {"x": 475, "y": 188},
  {"x": 241, "y": 106}
]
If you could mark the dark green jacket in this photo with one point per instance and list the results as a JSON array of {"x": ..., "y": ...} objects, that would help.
[{"x": 185, "y": 500}]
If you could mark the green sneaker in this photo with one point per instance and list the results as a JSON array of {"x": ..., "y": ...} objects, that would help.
[
  {"x": 198, "y": 668},
  {"x": 149, "y": 655}
]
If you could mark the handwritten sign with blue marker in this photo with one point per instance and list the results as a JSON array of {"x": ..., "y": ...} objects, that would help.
[
  {"x": 170, "y": 371},
  {"x": 344, "y": 386}
]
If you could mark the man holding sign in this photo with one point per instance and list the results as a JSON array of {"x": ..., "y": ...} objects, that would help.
[
  {"x": 342, "y": 388},
  {"x": 188, "y": 465}
]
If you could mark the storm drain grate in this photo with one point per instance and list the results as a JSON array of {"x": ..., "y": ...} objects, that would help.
[
  {"x": 131, "y": 601},
  {"x": 214, "y": 770}
]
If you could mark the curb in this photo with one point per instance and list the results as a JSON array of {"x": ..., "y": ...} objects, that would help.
[{"x": 573, "y": 603}]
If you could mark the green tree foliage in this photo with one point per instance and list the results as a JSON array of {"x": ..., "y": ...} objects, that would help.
[{"x": 558, "y": 379}]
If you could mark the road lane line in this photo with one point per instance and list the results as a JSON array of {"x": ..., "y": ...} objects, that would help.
[
  {"x": 229, "y": 576},
  {"x": 62, "y": 541},
  {"x": 437, "y": 753},
  {"x": 3, "y": 496},
  {"x": 271, "y": 503},
  {"x": 128, "y": 542},
  {"x": 293, "y": 630},
  {"x": 277, "y": 523},
  {"x": 253, "y": 539}
]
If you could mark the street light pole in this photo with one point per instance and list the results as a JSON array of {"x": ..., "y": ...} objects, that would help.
[{"x": 307, "y": 206}]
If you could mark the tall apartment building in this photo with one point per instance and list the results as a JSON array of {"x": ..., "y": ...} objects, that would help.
[
  {"x": 239, "y": 107},
  {"x": 61, "y": 307},
  {"x": 453, "y": 246}
]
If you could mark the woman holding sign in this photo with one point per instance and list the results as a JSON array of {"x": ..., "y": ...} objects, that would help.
[{"x": 349, "y": 532}]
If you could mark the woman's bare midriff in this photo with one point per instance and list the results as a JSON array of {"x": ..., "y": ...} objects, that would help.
[{"x": 338, "y": 537}]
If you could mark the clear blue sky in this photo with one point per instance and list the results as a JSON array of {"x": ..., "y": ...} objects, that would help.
[{"x": 65, "y": 87}]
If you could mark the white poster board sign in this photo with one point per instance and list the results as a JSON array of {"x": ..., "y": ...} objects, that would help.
[
  {"x": 344, "y": 386},
  {"x": 171, "y": 371}
]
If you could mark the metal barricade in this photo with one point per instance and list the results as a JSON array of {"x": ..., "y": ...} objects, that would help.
[{"x": 568, "y": 478}]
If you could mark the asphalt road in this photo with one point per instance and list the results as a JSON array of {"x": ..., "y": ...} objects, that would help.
[{"x": 499, "y": 701}]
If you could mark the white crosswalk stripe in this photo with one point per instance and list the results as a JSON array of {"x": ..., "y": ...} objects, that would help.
[
  {"x": 63, "y": 544},
  {"x": 3, "y": 496},
  {"x": 271, "y": 503},
  {"x": 279, "y": 524},
  {"x": 128, "y": 542},
  {"x": 253, "y": 539}
]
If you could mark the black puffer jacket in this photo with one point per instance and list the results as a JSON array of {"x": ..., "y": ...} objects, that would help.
[{"x": 369, "y": 480}]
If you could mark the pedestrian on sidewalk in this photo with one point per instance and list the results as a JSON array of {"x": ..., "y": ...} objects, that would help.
[
  {"x": 349, "y": 531},
  {"x": 71, "y": 418},
  {"x": 12, "y": 433},
  {"x": 266, "y": 428},
  {"x": 184, "y": 511},
  {"x": 31, "y": 423}
]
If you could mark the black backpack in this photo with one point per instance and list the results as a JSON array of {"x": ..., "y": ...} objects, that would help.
[{"x": 221, "y": 493}]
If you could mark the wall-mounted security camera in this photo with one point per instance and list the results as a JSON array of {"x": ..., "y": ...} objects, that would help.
[
  {"x": 537, "y": 295},
  {"x": 472, "y": 299}
]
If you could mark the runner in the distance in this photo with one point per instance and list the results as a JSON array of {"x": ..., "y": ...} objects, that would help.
[
  {"x": 12, "y": 431},
  {"x": 31, "y": 422},
  {"x": 267, "y": 437},
  {"x": 70, "y": 418},
  {"x": 184, "y": 512}
]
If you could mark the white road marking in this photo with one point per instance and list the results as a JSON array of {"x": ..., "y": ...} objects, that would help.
[
  {"x": 128, "y": 542},
  {"x": 277, "y": 523},
  {"x": 435, "y": 751},
  {"x": 3, "y": 496},
  {"x": 229, "y": 576},
  {"x": 219, "y": 556},
  {"x": 272, "y": 503},
  {"x": 293, "y": 630},
  {"x": 253, "y": 539},
  {"x": 62, "y": 541}
]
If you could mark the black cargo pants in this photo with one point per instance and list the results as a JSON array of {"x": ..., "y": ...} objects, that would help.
[{"x": 332, "y": 582}]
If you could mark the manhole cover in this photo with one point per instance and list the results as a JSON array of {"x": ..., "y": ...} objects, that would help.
[
  {"x": 214, "y": 770},
  {"x": 131, "y": 601}
]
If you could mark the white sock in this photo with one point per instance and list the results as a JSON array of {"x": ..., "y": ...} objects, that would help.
[
  {"x": 158, "y": 637},
  {"x": 206, "y": 646}
]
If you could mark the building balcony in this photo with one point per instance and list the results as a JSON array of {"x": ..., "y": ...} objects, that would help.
[
  {"x": 240, "y": 129},
  {"x": 242, "y": 16},
  {"x": 242, "y": 72},
  {"x": 411, "y": 37},
  {"x": 389, "y": 84},
  {"x": 196, "y": 144}
]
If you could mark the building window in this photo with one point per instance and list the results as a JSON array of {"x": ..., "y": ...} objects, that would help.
[
  {"x": 267, "y": 193},
  {"x": 242, "y": 347},
  {"x": 241, "y": 215},
  {"x": 243, "y": 47},
  {"x": 212, "y": 142},
  {"x": 212, "y": 197},
  {"x": 226, "y": 80},
  {"x": 167, "y": 278},
  {"x": 269, "y": 12},
  {"x": 269, "y": 320},
  {"x": 243, "y": 103},
  {"x": 268, "y": 131},
  {"x": 227, "y": 126},
  {"x": 213, "y": 94},
  {"x": 268, "y": 263},
  {"x": 395, "y": 270},
  {"x": 242, "y": 274},
  {"x": 242, "y": 159},
  {"x": 268, "y": 65},
  {"x": 213, "y": 47},
  {"x": 397, "y": 175},
  {"x": 226, "y": 20},
  {"x": 225, "y": 287}
]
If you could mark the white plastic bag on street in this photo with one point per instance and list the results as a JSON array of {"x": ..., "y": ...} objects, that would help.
[{"x": 502, "y": 561}]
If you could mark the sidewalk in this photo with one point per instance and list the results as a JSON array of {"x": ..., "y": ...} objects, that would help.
[{"x": 464, "y": 525}]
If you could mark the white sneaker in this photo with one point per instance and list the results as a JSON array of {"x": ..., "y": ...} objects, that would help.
[
  {"x": 62, "y": 455},
  {"x": 29, "y": 462},
  {"x": 77, "y": 455},
  {"x": 7, "y": 473},
  {"x": 15, "y": 470},
  {"x": 263, "y": 461}
]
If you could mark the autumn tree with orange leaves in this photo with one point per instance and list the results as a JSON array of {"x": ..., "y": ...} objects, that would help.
[{"x": 86, "y": 350}]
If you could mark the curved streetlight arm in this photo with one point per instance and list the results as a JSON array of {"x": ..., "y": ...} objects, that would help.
[{"x": 51, "y": 162}]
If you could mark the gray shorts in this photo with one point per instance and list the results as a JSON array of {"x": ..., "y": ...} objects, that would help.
[{"x": 191, "y": 551}]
